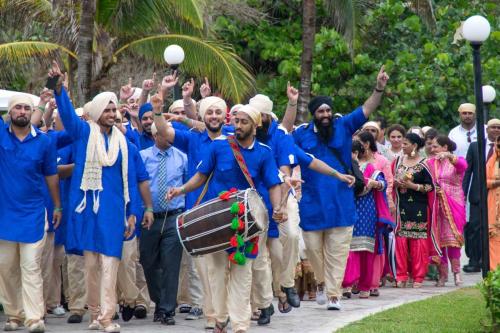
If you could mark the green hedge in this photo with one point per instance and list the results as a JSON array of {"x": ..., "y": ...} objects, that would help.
[{"x": 491, "y": 291}]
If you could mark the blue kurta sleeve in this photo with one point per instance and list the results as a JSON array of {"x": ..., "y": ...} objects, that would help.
[
  {"x": 269, "y": 170},
  {"x": 74, "y": 126},
  {"x": 141, "y": 172},
  {"x": 354, "y": 120},
  {"x": 286, "y": 154},
  {"x": 133, "y": 136},
  {"x": 181, "y": 140},
  {"x": 303, "y": 157}
]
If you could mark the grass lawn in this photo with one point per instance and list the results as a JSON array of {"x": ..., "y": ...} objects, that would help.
[{"x": 459, "y": 311}]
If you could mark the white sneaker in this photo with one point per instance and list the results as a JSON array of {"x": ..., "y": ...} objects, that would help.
[
  {"x": 58, "y": 311},
  {"x": 112, "y": 328},
  {"x": 11, "y": 326},
  {"x": 38, "y": 327},
  {"x": 95, "y": 326},
  {"x": 320, "y": 294},
  {"x": 334, "y": 304}
]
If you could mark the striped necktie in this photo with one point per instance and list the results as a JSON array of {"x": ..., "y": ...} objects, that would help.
[{"x": 162, "y": 182}]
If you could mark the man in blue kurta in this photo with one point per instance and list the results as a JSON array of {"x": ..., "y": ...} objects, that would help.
[
  {"x": 327, "y": 209},
  {"x": 283, "y": 150},
  {"x": 195, "y": 145},
  {"x": 27, "y": 161},
  {"x": 231, "y": 283},
  {"x": 99, "y": 200}
]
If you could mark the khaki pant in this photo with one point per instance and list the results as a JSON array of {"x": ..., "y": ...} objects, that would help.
[
  {"x": 101, "y": 272},
  {"x": 327, "y": 250},
  {"x": 262, "y": 280},
  {"x": 140, "y": 282},
  {"x": 201, "y": 265},
  {"x": 283, "y": 266},
  {"x": 52, "y": 260},
  {"x": 77, "y": 292},
  {"x": 230, "y": 285},
  {"x": 125, "y": 283},
  {"x": 189, "y": 283},
  {"x": 21, "y": 284}
]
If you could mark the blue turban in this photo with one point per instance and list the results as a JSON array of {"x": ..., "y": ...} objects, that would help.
[
  {"x": 145, "y": 108},
  {"x": 317, "y": 101}
]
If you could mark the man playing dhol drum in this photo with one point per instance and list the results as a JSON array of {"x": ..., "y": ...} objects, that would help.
[{"x": 231, "y": 283}]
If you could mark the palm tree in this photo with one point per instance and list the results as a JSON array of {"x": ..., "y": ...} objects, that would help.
[
  {"x": 138, "y": 27},
  {"x": 345, "y": 17}
]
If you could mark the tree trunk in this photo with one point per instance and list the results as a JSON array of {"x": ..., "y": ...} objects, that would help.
[
  {"x": 85, "y": 41},
  {"x": 308, "y": 33}
]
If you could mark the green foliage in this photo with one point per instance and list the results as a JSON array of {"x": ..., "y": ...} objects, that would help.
[
  {"x": 429, "y": 75},
  {"x": 491, "y": 292}
]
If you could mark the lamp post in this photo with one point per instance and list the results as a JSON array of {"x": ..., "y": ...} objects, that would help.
[
  {"x": 174, "y": 56},
  {"x": 476, "y": 30},
  {"x": 489, "y": 94}
]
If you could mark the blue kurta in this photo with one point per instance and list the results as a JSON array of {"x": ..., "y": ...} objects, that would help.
[
  {"x": 283, "y": 149},
  {"x": 24, "y": 165},
  {"x": 227, "y": 173},
  {"x": 327, "y": 202},
  {"x": 87, "y": 231},
  {"x": 64, "y": 157}
]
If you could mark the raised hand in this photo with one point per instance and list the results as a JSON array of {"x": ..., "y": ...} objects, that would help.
[
  {"x": 55, "y": 71},
  {"x": 187, "y": 88},
  {"x": 45, "y": 97},
  {"x": 292, "y": 93},
  {"x": 157, "y": 99},
  {"x": 169, "y": 81},
  {"x": 126, "y": 91},
  {"x": 205, "y": 89},
  {"x": 382, "y": 78},
  {"x": 147, "y": 85}
]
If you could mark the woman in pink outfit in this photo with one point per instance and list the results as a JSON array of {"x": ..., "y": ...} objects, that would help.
[{"x": 449, "y": 218}]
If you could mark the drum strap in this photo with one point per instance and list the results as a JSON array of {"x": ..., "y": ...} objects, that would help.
[
  {"x": 204, "y": 191},
  {"x": 239, "y": 158}
]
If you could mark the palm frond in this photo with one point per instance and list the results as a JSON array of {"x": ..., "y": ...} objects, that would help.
[
  {"x": 346, "y": 16},
  {"x": 105, "y": 9},
  {"x": 141, "y": 17},
  {"x": 20, "y": 52},
  {"x": 217, "y": 61}
]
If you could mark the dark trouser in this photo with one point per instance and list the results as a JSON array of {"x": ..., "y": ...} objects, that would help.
[
  {"x": 160, "y": 248},
  {"x": 472, "y": 235}
]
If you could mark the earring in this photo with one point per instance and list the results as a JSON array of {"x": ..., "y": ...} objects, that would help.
[{"x": 413, "y": 153}]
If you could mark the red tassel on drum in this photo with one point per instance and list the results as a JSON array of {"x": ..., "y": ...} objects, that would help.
[
  {"x": 241, "y": 208},
  {"x": 233, "y": 241},
  {"x": 241, "y": 225}
]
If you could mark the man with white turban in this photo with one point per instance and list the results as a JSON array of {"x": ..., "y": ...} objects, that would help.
[
  {"x": 283, "y": 238},
  {"x": 466, "y": 132},
  {"x": 195, "y": 145},
  {"x": 231, "y": 283},
  {"x": 99, "y": 199},
  {"x": 27, "y": 160}
]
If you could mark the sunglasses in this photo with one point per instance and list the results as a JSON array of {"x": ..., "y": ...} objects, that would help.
[{"x": 469, "y": 139}]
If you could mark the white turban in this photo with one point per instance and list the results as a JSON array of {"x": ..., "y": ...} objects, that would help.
[
  {"x": 467, "y": 107},
  {"x": 263, "y": 104},
  {"x": 99, "y": 103},
  {"x": 20, "y": 99},
  {"x": 153, "y": 129},
  {"x": 253, "y": 113},
  {"x": 211, "y": 101},
  {"x": 371, "y": 124},
  {"x": 86, "y": 108},
  {"x": 176, "y": 105},
  {"x": 137, "y": 93},
  {"x": 235, "y": 108}
]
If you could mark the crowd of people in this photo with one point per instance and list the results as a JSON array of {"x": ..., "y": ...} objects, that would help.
[{"x": 91, "y": 200}]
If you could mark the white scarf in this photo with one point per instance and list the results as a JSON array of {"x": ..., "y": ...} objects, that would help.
[{"x": 97, "y": 157}]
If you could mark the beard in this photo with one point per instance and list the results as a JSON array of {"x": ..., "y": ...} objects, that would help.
[
  {"x": 242, "y": 135},
  {"x": 325, "y": 131},
  {"x": 21, "y": 121},
  {"x": 262, "y": 131},
  {"x": 213, "y": 129}
]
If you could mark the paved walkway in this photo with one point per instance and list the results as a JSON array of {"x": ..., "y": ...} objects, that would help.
[{"x": 310, "y": 317}]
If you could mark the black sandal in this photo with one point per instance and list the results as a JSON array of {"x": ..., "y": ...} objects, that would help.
[
  {"x": 221, "y": 327},
  {"x": 283, "y": 305}
]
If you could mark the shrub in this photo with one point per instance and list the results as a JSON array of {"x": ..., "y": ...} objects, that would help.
[{"x": 491, "y": 291}]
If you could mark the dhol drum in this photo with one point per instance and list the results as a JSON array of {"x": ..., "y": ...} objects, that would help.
[{"x": 207, "y": 228}]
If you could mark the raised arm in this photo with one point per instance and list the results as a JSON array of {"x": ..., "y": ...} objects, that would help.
[
  {"x": 165, "y": 132},
  {"x": 291, "y": 108},
  {"x": 147, "y": 86},
  {"x": 39, "y": 111},
  {"x": 189, "y": 105},
  {"x": 72, "y": 123},
  {"x": 374, "y": 100}
]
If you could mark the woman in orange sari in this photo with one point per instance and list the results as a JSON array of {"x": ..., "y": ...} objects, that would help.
[
  {"x": 448, "y": 220},
  {"x": 493, "y": 181}
]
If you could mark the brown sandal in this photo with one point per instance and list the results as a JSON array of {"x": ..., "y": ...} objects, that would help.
[
  {"x": 221, "y": 327},
  {"x": 283, "y": 305}
]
